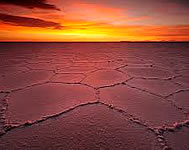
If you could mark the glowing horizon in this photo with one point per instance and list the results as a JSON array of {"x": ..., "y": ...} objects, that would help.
[{"x": 54, "y": 20}]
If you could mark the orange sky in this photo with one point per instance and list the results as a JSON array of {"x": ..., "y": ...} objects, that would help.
[{"x": 94, "y": 20}]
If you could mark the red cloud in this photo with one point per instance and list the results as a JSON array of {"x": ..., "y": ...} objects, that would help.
[
  {"x": 30, "y": 4},
  {"x": 28, "y": 22}
]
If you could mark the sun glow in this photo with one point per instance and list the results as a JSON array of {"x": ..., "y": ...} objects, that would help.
[{"x": 90, "y": 22}]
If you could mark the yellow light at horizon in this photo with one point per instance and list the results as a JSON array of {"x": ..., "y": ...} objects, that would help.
[{"x": 96, "y": 33}]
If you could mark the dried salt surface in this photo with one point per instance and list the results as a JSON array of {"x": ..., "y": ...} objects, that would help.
[
  {"x": 102, "y": 78},
  {"x": 43, "y": 66},
  {"x": 181, "y": 99},
  {"x": 184, "y": 72},
  {"x": 11, "y": 65},
  {"x": 35, "y": 102},
  {"x": 179, "y": 139},
  {"x": 12, "y": 69},
  {"x": 23, "y": 79},
  {"x": 183, "y": 80},
  {"x": 28, "y": 72},
  {"x": 85, "y": 128},
  {"x": 76, "y": 69},
  {"x": 68, "y": 78},
  {"x": 154, "y": 110},
  {"x": 2, "y": 96},
  {"x": 2, "y": 110},
  {"x": 108, "y": 65},
  {"x": 159, "y": 87},
  {"x": 147, "y": 72}
]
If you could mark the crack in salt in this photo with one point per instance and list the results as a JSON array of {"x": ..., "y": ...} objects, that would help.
[{"x": 8, "y": 128}]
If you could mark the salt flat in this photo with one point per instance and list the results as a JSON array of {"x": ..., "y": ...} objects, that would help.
[{"x": 94, "y": 96}]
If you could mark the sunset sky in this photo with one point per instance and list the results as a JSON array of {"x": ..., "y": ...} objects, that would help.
[{"x": 94, "y": 20}]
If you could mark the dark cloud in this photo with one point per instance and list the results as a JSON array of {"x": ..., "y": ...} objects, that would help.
[
  {"x": 180, "y": 2},
  {"x": 28, "y": 22},
  {"x": 30, "y": 4}
]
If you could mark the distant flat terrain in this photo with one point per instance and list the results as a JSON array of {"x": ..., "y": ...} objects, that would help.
[{"x": 94, "y": 96}]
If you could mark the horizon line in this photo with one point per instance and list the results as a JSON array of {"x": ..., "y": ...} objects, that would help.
[{"x": 94, "y": 41}]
